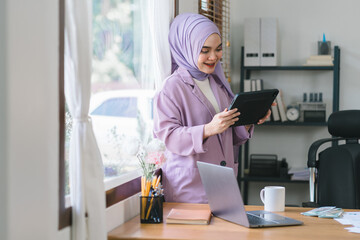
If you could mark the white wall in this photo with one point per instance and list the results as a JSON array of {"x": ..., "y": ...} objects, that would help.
[
  {"x": 188, "y": 6},
  {"x": 301, "y": 25},
  {"x": 29, "y": 120}
]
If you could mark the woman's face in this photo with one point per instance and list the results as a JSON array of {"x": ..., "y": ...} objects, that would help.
[{"x": 210, "y": 54}]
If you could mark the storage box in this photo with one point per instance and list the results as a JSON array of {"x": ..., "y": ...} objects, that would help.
[
  {"x": 264, "y": 165},
  {"x": 312, "y": 112}
]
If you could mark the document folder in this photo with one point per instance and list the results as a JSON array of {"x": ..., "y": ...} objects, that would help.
[
  {"x": 252, "y": 42},
  {"x": 269, "y": 55}
]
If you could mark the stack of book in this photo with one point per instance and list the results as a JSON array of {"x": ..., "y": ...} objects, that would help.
[
  {"x": 320, "y": 60},
  {"x": 251, "y": 85},
  {"x": 278, "y": 112}
]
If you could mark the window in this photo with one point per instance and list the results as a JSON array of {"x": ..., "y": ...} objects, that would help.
[
  {"x": 121, "y": 96},
  {"x": 122, "y": 88},
  {"x": 121, "y": 104}
]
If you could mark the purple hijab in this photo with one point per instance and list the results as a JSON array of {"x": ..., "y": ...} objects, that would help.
[{"x": 187, "y": 35}]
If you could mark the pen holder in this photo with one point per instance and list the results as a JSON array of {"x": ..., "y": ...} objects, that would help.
[
  {"x": 151, "y": 209},
  {"x": 324, "y": 48}
]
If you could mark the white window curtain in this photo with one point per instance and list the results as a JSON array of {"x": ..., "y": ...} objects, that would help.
[
  {"x": 156, "y": 18},
  {"x": 86, "y": 171}
]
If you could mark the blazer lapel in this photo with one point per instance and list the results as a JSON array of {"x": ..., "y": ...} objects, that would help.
[
  {"x": 222, "y": 99},
  {"x": 196, "y": 91},
  {"x": 199, "y": 94}
]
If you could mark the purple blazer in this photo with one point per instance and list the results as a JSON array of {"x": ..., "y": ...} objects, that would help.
[{"x": 181, "y": 111}]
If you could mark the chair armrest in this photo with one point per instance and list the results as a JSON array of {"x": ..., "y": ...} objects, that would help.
[
  {"x": 314, "y": 148},
  {"x": 312, "y": 163}
]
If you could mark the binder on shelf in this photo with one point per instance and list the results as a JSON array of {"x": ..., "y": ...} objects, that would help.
[
  {"x": 259, "y": 84},
  {"x": 253, "y": 84},
  {"x": 252, "y": 42},
  {"x": 281, "y": 107},
  {"x": 269, "y": 39},
  {"x": 275, "y": 112},
  {"x": 247, "y": 85}
]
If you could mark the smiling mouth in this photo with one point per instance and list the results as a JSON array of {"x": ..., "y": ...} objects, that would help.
[{"x": 210, "y": 64}]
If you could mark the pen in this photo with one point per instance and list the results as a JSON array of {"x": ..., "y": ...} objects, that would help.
[
  {"x": 143, "y": 201},
  {"x": 155, "y": 182}
]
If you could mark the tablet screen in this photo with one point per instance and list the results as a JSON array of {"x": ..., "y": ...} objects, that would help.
[{"x": 253, "y": 105}]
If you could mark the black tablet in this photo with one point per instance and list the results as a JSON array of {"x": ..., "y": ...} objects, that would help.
[{"x": 253, "y": 105}]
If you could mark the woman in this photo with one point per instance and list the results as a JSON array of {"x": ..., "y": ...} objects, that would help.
[{"x": 191, "y": 115}]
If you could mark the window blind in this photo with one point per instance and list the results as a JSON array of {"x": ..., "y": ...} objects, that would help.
[{"x": 218, "y": 11}]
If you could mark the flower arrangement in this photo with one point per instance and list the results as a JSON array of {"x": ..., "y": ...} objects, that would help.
[{"x": 151, "y": 157}]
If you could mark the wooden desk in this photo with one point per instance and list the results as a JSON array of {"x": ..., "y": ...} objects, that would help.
[{"x": 313, "y": 228}]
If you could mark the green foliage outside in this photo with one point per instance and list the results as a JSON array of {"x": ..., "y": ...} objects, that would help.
[{"x": 113, "y": 41}]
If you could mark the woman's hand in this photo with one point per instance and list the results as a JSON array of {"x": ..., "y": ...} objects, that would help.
[
  {"x": 261, "y": 121},
  {"x": 221, "y": 121}
]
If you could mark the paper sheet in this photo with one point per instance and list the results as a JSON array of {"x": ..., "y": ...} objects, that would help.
[{"x": 350, "y": 218}]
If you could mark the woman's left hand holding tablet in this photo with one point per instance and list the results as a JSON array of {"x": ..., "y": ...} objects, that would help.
[
  {"x": 221, "y": 121},
  {"x": 267, "y": 115}
]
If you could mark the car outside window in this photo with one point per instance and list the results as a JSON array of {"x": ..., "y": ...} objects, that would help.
[{"x": 117, "y": 107}]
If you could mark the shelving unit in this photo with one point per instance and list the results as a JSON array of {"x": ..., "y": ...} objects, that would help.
[{"x": 246, "y": 74}]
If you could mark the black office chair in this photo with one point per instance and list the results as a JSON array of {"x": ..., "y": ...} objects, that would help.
[{"x": 335, "y": 174}]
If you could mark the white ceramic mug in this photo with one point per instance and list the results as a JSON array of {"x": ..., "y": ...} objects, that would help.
[{"x": 273, "y": 198}]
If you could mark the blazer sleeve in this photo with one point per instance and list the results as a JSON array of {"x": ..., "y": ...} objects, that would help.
[
  {"x": 240, "y": 135},
  {"x": 168, "y": 127}
]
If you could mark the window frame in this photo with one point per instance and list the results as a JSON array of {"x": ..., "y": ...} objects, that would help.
[{"x": 64, "y": 213}]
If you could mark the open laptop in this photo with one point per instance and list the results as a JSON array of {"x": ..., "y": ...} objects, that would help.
[{"x": 225, "y": 199}]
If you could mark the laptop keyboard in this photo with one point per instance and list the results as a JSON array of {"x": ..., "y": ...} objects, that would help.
[{"x": 255, "y": 220}]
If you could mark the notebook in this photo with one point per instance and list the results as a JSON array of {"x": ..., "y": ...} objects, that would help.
[
  {"x": 225, "y": 199},
  {"x": 187, "y": 216}
]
